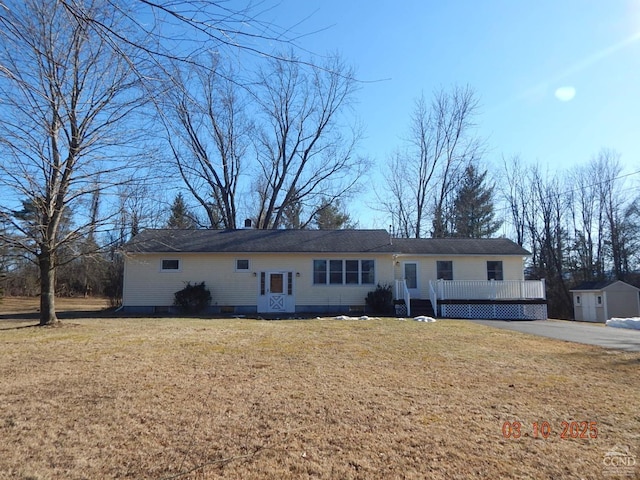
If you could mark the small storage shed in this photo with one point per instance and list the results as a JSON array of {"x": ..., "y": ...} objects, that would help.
[{"x": 599, "y": 301}]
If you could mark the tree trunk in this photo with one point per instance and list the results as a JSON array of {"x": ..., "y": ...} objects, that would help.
[{"x": 47, "y": 290}]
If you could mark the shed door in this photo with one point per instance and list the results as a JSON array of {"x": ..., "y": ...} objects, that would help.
[{"x": 589, "y": 307}]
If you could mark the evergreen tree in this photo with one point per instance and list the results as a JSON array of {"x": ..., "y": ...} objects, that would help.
[
  {"x": 331, "y": 216},
  {"x": 180, "y": 217},
  {"x": 291, "y": 214},
  {"x": 474, "y": 215}
]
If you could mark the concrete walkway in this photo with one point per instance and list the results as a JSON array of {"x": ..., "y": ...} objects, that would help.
[{"x": 578, "y": 332}]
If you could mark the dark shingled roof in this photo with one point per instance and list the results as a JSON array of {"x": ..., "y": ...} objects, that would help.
[
  {"x": 593, "y": 285},
  {"x": 458, "y": 246},
  {"x": 260, "y": 241},
  {"x": 312, "y": 241},
  {"x": 596, "y": 285}
]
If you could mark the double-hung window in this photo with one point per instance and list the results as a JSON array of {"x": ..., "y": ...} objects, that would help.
[
  {"x": 445, "y": 270},
  {"x": 494, "y": 271},
  {"x": 335, "y": 272},
  {"x": 319, "y": 272}
]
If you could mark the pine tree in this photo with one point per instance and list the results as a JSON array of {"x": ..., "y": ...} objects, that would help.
[
  {"x": 180, "y": 217},
  {"x": 331, "y": 216},
  {"x": 474, "y": 215}
]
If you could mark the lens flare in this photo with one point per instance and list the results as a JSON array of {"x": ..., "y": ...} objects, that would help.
[{"x": 565, "y": 94}]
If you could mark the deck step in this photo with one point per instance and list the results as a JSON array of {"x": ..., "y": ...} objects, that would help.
[{"x": 421, "y": 307}]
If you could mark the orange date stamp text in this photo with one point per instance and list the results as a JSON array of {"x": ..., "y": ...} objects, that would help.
[{"x": 544, "y": 429}]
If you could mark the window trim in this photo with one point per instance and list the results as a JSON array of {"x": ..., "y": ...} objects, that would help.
[{"x": 170, "y": 270}]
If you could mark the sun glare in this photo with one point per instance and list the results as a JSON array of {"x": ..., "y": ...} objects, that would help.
[{"x": 565, "y": 94}]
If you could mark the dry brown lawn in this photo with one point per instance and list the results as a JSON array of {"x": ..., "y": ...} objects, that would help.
[
  {"x": 243, "y": 399},
  {"x": 31, "y": 305}
]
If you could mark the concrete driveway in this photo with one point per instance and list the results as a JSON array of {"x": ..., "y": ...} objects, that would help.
[{"x": 578, "y": 332}]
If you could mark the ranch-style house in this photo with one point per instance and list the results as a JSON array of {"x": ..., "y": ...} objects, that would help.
[{"x": 275, "y": 272}]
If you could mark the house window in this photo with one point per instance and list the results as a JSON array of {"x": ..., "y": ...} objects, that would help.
[
  {"x": 343, "y": 272},
  {"x": 445, "y": 270},
  {"x": 335, "y": 272},
  {"x": 577, "y": 299},
  {"x": 351, "y": 275},
  {"x": 170, "y": 265},
  {"x": 367, "y": 276},
  {"x": 289, "y": 283},
  {"x": 599, "y": 300},
  {"x": 242, "y": 265},
  {"x": 319, "y": 272},
  {"x": 494, "y": 271}
]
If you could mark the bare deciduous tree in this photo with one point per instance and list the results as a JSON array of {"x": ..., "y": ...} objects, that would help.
[
  {"x": 181, "y": 30},
  {"x": 588, "y": 221},
  {"x": 303, "y": 156},
  {"x": 548, "y": 230},
  {"x": 619, "y": 214},
  {"x": 209, "y": 134},
  {"x": 66, "y": 96},
  {"x": 517, "y": 196},
  {"x": 441, "y": 143}
]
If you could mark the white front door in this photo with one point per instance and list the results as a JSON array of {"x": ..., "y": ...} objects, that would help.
[
  {"x": 410, "y": 275},
  {"x": 276, "y": 291}
]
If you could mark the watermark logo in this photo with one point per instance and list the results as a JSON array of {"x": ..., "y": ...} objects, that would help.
[{"x": 619, "y": 462}]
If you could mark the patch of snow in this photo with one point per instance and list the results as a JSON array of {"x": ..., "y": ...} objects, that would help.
[
  {"x": 422, "y": 318},
  {"x": 364, "y": 317},
  {"x": 632, "y": 323}
]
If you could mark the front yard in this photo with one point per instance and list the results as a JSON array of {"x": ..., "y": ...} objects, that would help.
[{"x": 191, "y": 398}]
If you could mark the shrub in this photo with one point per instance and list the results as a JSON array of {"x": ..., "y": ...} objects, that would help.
[
  {"x": 380, "y": 300},
  {"x": 192, "y": 298}
]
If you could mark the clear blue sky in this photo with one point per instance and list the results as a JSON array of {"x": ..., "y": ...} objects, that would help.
[{"x": 514, "y": 54}]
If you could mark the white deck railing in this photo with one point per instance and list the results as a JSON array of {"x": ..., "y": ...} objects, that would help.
[
  {"x": 489, "y": 290},
  {"x": 402, "y": 293},
  {"x": 433, "y": 296}
]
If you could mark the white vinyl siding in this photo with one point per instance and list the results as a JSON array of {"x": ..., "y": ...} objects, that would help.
[{"x": 144, "y": 285}]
